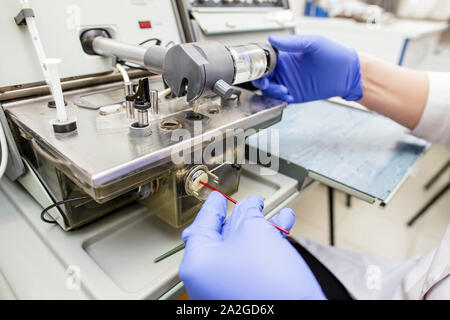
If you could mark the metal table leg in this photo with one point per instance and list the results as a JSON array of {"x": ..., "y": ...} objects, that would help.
[
  {"x": 437, "y": 175},
  {"x": 429, "y": 204},
  {"x": 331, "y": 213}
]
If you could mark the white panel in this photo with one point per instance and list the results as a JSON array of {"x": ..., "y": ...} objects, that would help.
[
  {"x": 226, "y": 22},
  {"x": 59, "y": 23}
]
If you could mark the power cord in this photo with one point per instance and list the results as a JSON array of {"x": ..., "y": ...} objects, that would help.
[
  {"x": 57, "y": 204},
  {"x": 157, "y": 41}
]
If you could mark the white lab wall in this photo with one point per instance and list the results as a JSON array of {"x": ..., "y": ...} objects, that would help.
[
  {"x": 415, "y": 9},
  {"x": 420, "y": 9},
  {"x": 407, "y": 41},
  {"x": 411, "y": 41}
]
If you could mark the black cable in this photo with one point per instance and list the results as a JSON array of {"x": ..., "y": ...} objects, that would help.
[
  {"x": 158, "y": 42},
  {"x": 57, "y": 204}
]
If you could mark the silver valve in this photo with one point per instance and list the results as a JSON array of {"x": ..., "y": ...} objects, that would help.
[{"x": 141, "y": 101}]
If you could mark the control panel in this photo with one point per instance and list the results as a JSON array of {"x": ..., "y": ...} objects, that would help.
[{"x": 237, "y": 3}]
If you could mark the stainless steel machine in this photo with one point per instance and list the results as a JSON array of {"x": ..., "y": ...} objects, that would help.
[
  {"x": 107, "y": 117},
  {"x": 116, "y": 141}
]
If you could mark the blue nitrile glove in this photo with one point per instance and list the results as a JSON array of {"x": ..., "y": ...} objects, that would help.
[
  {"x": 312, "y": 68},
  {"x": 246, "y": 257}
]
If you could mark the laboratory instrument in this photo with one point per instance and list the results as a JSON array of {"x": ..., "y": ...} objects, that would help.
[
  {"x": 190, "y": 69},
  {"x": 117, "y": 199},
  {"x": 114, "y": 140},
  {"x": 137, "y": 200}
]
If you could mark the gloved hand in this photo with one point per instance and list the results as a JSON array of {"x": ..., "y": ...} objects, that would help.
[
  {"x": 246, "y": 257},
  {"x": 312, "y": 68}
]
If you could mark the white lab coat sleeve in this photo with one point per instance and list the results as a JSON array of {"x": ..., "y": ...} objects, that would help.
[
  {"x": 365, "y": 277},
  {"x": 430, "y": 277},
  {"x": 369, "y": 277},
  {"x": 434, "y": 125}
]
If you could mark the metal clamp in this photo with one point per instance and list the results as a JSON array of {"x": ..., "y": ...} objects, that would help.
[{"x": 24, "y": 13}]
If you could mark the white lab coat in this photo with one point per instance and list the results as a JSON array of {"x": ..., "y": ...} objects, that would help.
[{"x": 422, "y": 277}]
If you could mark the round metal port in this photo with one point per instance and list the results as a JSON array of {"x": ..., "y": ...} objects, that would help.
[
  {"x": 213, "y": 110},
  {"x": 170, "y": 124},
  {"x": 193, "y": 116},
  {"x": 192, "y": 184},
  {"x": 138, "y": 131}
]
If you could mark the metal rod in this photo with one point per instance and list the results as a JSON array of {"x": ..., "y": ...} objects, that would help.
[
  {"x": 152, "y": 58},
  {"x": 129, "y": 106},
  {"x": 429, "y": 204},
  {"x": 349, "y": 201},
  {"x": 109, "y": 47},
  {"x": 154, "y": 102},
  {"x": 437, "y": 176},
  {"x": 170, "y": 253}
]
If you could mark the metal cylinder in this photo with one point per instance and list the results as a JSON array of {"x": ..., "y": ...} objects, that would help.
[
  {"x": 152, "y": 58},
  {"x": 252, "y": 61},
  {"x": 129, "y": 104},
  {"x": 154, "y": 102},
  {"x": 109, "y": 47},
  {"x": 142, "y": 118}
]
